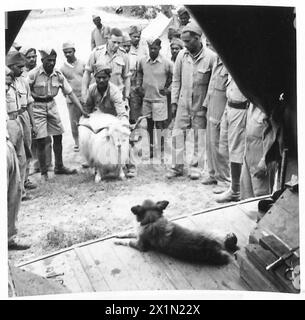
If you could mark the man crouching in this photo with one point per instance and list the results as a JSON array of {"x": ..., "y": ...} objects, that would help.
[{"x": 105, "y": 97}]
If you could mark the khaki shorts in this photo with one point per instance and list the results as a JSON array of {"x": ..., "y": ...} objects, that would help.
[
  {"x": 47, "y": 119},
  {"x": 156, "y": 110},
  {"x": 233, "y": 129}
]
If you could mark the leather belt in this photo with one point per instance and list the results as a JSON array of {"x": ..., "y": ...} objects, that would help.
[
  {"x": 48, "y": 99},
  {"x": 239, "y": 105}
]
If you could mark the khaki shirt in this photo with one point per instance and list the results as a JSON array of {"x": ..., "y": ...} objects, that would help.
[
  {"x": 43, "y": 85},
  {"x": 19, "y": 95},
  {"x": 119, "y": 63},
  {"x": 191, "y": 80},
  {"x": 111, "y": 102},
  {"x": 234, "y": 95}
]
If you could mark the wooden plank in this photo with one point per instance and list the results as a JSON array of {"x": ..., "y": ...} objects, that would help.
[
  {"x": 111, "y": 267},
  {"x": 232, "y": 219},
  {"x": 65, "y": 263},
  {"x": 96, "y": 279},
  {"x": 27, "y": 283},
  {"x": 262, "y": 258},
  {"x": 283, "y": 218},
  {"x": 255, "y": 280},
  {"x": 176, "y": 276},
  {"x": 144, "y": 274}
]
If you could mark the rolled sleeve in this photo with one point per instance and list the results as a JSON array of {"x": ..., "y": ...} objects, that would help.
[
  {"x": 66, "y": 88},
  {"x": 91, "y": 62},
  {"x": 117, "y": 100}
]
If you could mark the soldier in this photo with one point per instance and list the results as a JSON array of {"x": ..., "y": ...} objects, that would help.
[
  {"x": 31, "y": 56},
  {"x": 154, "y": 77},
  {"x": 73, "y": 70},
  {"x": 45, "y": 82},
  {"x": 192, "y": 72},
  {"x": 16, "y": 62},
  {"x": 15, "y": 159},
  {"x": 184, "y": 18},
  {"x": 100, "y": 34},
  {"x": 176, "y": 45},
  {"x": 113, "y": 55},
  {"x": 137, "y": 51},
  {"x": 257, "y": 177},
  {"x": 107, "y": 98},
  {"x": 232, "y": 128},
  {"x": 218, "y": 163}
]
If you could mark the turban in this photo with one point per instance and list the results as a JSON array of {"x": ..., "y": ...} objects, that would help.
[
  {"x": 68, "y": 45},
  {"x": 192, "y": 27},
  {"x": 46, "y": 52},
  {"x": 134, "y": 29},
  {"x": 181, "y": 11},
  {"x": 177, "y": 42},
  {"x": 15, "y": 57},
  {"x": 126, "y": 37},
  {"x": 26, "y": 50},
  {"x": 94, "y": 16},
  {"x": 154, "y": 41},
  {"x": 102, "y": 67}
]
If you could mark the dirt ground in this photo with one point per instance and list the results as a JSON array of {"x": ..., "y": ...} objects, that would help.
[{"x": 72, "y": 209}]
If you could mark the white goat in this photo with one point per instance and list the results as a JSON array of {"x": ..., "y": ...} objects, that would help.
[{"x": 104, "y": 142}]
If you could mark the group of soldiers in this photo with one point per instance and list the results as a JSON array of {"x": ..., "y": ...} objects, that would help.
[{"x": 187, "y": 89}]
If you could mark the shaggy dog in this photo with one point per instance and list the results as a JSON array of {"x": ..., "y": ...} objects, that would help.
[{"x": 159, "y": 234}]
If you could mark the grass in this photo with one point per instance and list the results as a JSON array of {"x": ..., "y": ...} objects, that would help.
[{"x": 59, "y": 238}]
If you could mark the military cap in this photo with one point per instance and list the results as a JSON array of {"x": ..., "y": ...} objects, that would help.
[
  {"x": 153, "y": 41},
  {"x": 177, "y": 42},
  {"x": 26, "y": 50},
  {"x": 15, "y": 57},
  {"x": 192, "y": 27},
  {"x": 46, "y": 52},
  {"x": 134, "y": 29},
  {"x": 102, "y": 67},
  {"x": 181, "y": 11},
  {"x": 68, "y": 45}
]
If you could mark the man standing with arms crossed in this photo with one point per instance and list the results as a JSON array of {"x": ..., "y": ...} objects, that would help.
[{"x": 191, "y": 77}]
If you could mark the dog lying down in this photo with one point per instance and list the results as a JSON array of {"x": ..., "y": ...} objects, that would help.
[{"x": 159, "y": 234}]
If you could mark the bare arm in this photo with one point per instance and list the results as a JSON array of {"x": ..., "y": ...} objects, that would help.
[
  {"x": 85, "y": 84},
  {"x": 76, "y": 102}
]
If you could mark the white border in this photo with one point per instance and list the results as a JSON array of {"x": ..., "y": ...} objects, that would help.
[{"x": 13, "y": 5}]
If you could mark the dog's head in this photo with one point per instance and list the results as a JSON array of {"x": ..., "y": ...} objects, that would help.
[{"x": 149, "y": 211}]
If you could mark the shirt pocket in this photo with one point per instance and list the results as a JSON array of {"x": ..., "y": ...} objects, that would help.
[
  {"x": 118, "y": 65},
  {"x": 40, "y": 88},
  {"x": 22, "y": 96},
  {"x": 202, "y": 77},
  {"x": 55, "y": 86}
]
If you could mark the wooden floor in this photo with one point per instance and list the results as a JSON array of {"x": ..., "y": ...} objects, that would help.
[{"x": 102, "y": 266}]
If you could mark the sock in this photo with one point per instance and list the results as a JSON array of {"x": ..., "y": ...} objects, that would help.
[{"x": 235, "y": 175}]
